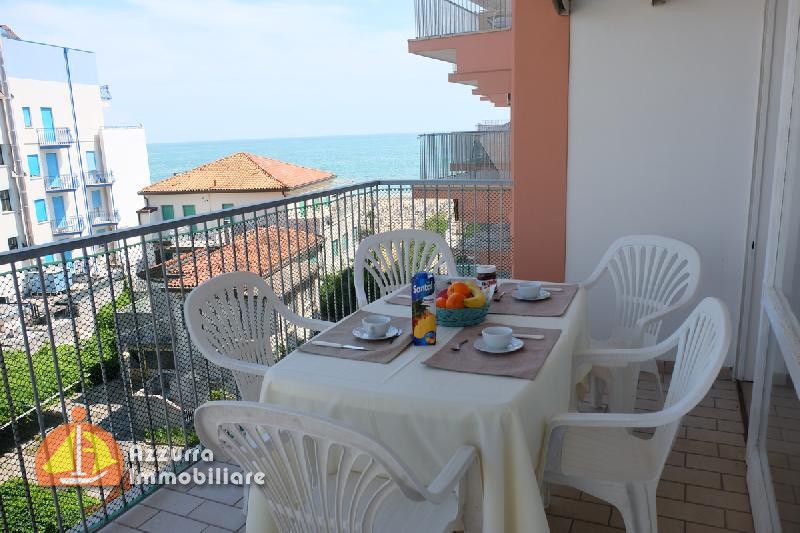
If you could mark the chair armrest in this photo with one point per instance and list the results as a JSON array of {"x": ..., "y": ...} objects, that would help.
[
  {"x": 619, "y": 357},
  {"x": 310, "y": 323},
  {"x": 455, "y": 469},
  {"x": 255, "y": 369},
  {"x": 559, "y": 424}
]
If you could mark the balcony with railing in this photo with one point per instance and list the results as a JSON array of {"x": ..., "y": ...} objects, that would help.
[
  {"x": 54, "y": 137},
  {"x": 482, "y": 154},
  {"x": 103, "y": 217},
  {"x": 439, "y": 18},
  {"x": 98, "y": 178},
  {"x": 67, "y": 226},
  {"x": 60, "y": 183},
  {"x": 98, "y": 320}
]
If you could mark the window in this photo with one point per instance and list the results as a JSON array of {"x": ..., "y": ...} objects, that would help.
[
  {"x": 228, "y": 220},
  {"x": 312, "y": 256},
  {"x": 26, "y": 117},
  {"x": 345, "y": 242},
  {"x": 41, "y": 210},
  {"x": 167, "y": 212},
  {"x": 335, "y": 247},
  {"x": 5, "y": 201},
  {"x": 13, "y": 243},
  {"x": 91, "y": 161},
  {"x": 189, "y": 210},
  {"x": 33, "y": 165}
]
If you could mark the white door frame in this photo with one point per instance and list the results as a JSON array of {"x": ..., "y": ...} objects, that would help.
[
  {"x": 776, "y": 317},
  {"x": 750, "y": 313}
]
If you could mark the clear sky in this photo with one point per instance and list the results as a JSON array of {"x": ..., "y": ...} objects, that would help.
[{"x": 235, "y": 69}]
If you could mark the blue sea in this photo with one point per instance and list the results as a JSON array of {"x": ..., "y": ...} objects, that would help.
[{"x": 353, "y": 158}]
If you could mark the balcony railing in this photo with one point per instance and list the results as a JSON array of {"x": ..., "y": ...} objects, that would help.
[
  {"x": 64, "y": 182},
  {"x": 438, "y": 18},
  {"x": 102, "y": 217},
  {"x": 49, "y": 137},
  {"x": 97, "y": 178},
  {"x": 67, "y": 226},
  {"x": 102, "y": 325},
  {"x": 484, "y": 154}
]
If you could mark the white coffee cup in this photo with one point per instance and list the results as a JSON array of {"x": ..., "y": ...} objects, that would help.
[
  {"x": 376, "y": 325},
  {"x": 497, "y": 337},
  {"x": 529, "y": 289}
]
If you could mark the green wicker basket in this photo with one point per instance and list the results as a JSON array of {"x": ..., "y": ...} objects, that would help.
[{"x": 457, "y": 318}]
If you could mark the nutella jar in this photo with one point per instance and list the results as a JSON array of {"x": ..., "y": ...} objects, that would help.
[{"x": 486, "y": 275}]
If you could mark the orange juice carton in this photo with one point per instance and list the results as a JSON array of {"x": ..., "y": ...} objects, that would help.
[{"x": 423, "y": 315}]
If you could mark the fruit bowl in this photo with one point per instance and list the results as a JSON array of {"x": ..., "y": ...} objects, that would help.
[{"x": 465, "y": 316}]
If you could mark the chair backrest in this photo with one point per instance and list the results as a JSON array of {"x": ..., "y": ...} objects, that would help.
[
  {"x": 702, "y": 343},
  {"x": 319, "y": 475},
  {"x": 231, "y": 317},
  {"x": 392, "y": 258},
  {"x": 650, "y": 274}
]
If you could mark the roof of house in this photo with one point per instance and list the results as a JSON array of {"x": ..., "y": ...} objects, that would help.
[
  {"x": 240, "y": 172},
  {"x": 265, "y": 251}
]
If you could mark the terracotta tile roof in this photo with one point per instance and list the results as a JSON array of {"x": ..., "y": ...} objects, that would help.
[
  {"x": 274, "y": 247},
  {"x": 240, "y": 172}
]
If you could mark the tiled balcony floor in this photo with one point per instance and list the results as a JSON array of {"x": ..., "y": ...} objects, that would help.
[{"x": 703, "y": 488}]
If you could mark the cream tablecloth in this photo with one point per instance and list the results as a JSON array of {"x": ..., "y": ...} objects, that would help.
[{"x": 424, "y": 414}]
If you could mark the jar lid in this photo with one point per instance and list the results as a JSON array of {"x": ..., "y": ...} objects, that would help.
[{"x": 485, "y": 269}]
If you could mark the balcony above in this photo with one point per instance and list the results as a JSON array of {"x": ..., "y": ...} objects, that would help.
[
  {"x": 64, "y": 182},
  {"x": 97, "y": 178},
  {"x": 67, "y": 226},
  {"x": 482, "y": 154},
  {"x": 441, "y": 18},
  {"x": 54, "y": 137},
  {"x": 103, "y": 217},
  {"x": 469, "y": 35}
]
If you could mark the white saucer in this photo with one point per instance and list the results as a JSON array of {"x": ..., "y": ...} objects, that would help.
[
  {"x": 543, "y": 295},
  {"x": 361, "y": 334},
  {"x": 515, "y": 345}
]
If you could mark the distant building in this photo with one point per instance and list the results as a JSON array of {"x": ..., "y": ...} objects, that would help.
[
  {"x": 236, "y": 180},
  {"x": 62, "y": 170}
]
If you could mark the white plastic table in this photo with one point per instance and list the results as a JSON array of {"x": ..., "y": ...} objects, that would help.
[{"x": 424, "y": 414}]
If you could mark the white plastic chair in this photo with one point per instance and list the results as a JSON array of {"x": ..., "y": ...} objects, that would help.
[
  {"x": 322, "y": 476},
  {"x": 595, "y": 452},
  {"x": 652, "y": 276},
  {"x": 393, "y": 257},
  {"x": 229, "y": 319}
]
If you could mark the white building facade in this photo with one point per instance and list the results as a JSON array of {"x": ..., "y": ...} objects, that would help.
[{"x": 63, "y": 170}]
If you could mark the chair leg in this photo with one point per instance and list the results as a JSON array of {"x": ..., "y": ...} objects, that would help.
[
  {"x": 595, "y": 390},
  {"x": 639, "y": 514},
  {"x": 624, "y": 384}
]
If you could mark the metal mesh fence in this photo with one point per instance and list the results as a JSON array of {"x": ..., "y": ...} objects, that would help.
[{"x": 98, "y": 322}]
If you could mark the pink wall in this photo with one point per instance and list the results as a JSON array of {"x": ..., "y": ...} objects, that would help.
[{"x": 540, "y": 84}]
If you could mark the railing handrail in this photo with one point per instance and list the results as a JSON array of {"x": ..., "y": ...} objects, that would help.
[
  {"x": 32, "y": 252},
  {"x": 462, "y": 132}
]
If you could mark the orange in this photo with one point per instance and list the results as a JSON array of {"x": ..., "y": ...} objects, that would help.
[
  {"x": 455, "y": 301},
  {"x": 441, "y": 302},
  {"x": 459, "y": 287}
]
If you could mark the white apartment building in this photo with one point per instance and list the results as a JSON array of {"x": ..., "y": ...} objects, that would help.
[{"x": 62, "y": 170}]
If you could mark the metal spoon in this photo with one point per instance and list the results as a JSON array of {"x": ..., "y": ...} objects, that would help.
[
  {"x": 499, "y": 296},
  {"x": 458, "y": 346}
]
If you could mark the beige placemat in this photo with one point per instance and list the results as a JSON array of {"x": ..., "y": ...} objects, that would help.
[
  {"x": 382, "y": 351},
  {"x": 401, "y": 296},
  {"x": 525, "y": 363},
  {"x": 556, "y": 305}
]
